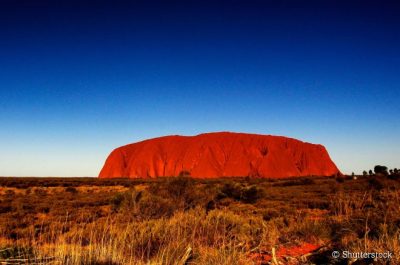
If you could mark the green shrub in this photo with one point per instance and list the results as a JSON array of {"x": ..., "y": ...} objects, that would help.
[
  {"x": 246, "y": 194},
  {"x": 295, "y": 182},
  {"x": 153, "y": 207},
  {"x": 182, "y": 191},
  {"x": 339, "y": 179},
  {"x": 126, "y": 200},
  {"x": 71, "y": 189},
  {"x": 270, "y": 214},
  {"x": 376, "y": 183}
]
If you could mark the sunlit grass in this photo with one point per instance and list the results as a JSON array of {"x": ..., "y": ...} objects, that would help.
[{"x": 183, "y": 221}]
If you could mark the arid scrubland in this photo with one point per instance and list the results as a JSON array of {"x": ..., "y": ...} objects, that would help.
[{"x": 186, "y": 221}]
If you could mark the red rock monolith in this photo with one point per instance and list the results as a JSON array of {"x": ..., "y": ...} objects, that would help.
[{"x": 221, "y": 154}]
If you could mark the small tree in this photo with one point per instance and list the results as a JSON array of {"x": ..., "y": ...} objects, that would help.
[
  {"x": 365, "y": 173},
  {"x": 396, "y": 171},
  {"x": 382, "y": 170},
  {"x": 370, "y": 172}
]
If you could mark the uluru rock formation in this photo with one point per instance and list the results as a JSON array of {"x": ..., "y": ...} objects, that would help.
[{"x": 221, "y": 154}]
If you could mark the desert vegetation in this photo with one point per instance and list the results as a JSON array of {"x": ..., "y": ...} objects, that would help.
[{"x": 198, "y": 221}]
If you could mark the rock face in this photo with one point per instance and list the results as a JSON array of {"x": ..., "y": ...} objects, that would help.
[{"x": 222, "y": 154}]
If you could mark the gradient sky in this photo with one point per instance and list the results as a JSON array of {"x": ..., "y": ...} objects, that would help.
[{"x": 80, "y": 78}]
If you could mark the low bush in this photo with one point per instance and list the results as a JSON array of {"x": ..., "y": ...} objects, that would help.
[
  {"x": 376, "y": 183},
  {"x": 246, "y": 194},
  {"x": 71, "y": 189},
  {"x": 295, "y": 182}
]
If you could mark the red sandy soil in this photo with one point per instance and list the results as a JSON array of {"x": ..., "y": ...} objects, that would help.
[
  {"x": 292, "y": 251},
  {"x": 222, "y": 154}
]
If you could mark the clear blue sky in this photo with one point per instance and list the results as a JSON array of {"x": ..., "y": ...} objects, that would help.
[{"x": 79, "y": 78}]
